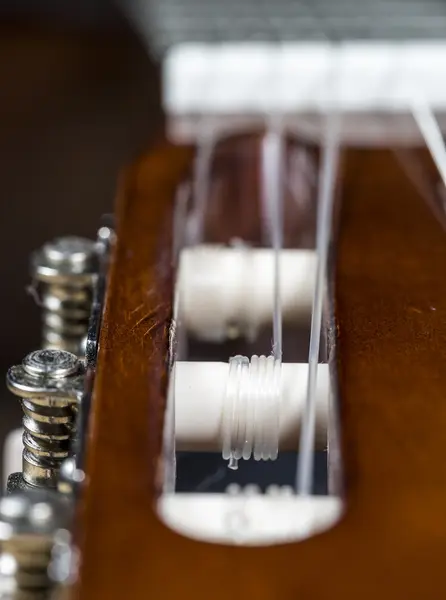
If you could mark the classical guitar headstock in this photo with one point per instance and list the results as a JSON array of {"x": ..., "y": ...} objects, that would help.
[{"x": 241, "y": 384}]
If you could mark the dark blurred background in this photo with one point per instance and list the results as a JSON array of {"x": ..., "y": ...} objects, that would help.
[{"x": 78, "y": 100}]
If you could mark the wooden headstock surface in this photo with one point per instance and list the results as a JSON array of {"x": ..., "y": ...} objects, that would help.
[{"x": 390, "y": 307}]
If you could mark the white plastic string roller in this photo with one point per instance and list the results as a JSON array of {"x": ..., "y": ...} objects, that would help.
[
  {"x": 210, "y": 415},
  {"x": 224, "y": 287}
]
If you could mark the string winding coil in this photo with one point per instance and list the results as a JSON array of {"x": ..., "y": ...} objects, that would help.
[{"x": 253, "y": 389}]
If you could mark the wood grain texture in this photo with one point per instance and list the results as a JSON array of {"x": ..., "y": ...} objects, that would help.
[{"x": 390, "y": 300}]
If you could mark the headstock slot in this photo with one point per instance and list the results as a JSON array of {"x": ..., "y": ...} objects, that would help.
[{"x": 245, "y": 242}]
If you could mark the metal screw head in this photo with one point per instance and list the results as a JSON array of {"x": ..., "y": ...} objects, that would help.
[
  {"x": 67, "y": 260},
  {"x": 51, "y": 363},
  {"x": 46, "y": 374},
  {"x": 76, "y": 251},
  {"x": 105, "y": 234},
  {"x": 41, "y": 514},
  {"x": 70, "y": 476},
  {"x": 68, "y": 470},
  {"x": 33, "y": 512},
  {"x": 13, "y": 507}
]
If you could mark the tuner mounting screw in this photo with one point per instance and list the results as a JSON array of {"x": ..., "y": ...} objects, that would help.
[
  {"x": 64, "y": 273},
  {"x": 50, "y": 383}
]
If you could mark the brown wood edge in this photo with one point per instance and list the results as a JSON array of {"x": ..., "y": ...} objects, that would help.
[{"x": 150, "y": 313}]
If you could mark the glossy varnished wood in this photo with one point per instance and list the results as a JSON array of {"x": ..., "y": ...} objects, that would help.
[{"x": 391, "y": 334}]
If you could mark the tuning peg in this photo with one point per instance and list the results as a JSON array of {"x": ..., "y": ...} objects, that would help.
[
  {"x": 50, "y": 384},
  {"x": 35, "y": 544},
  {"x": 64, "y": 272}
]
